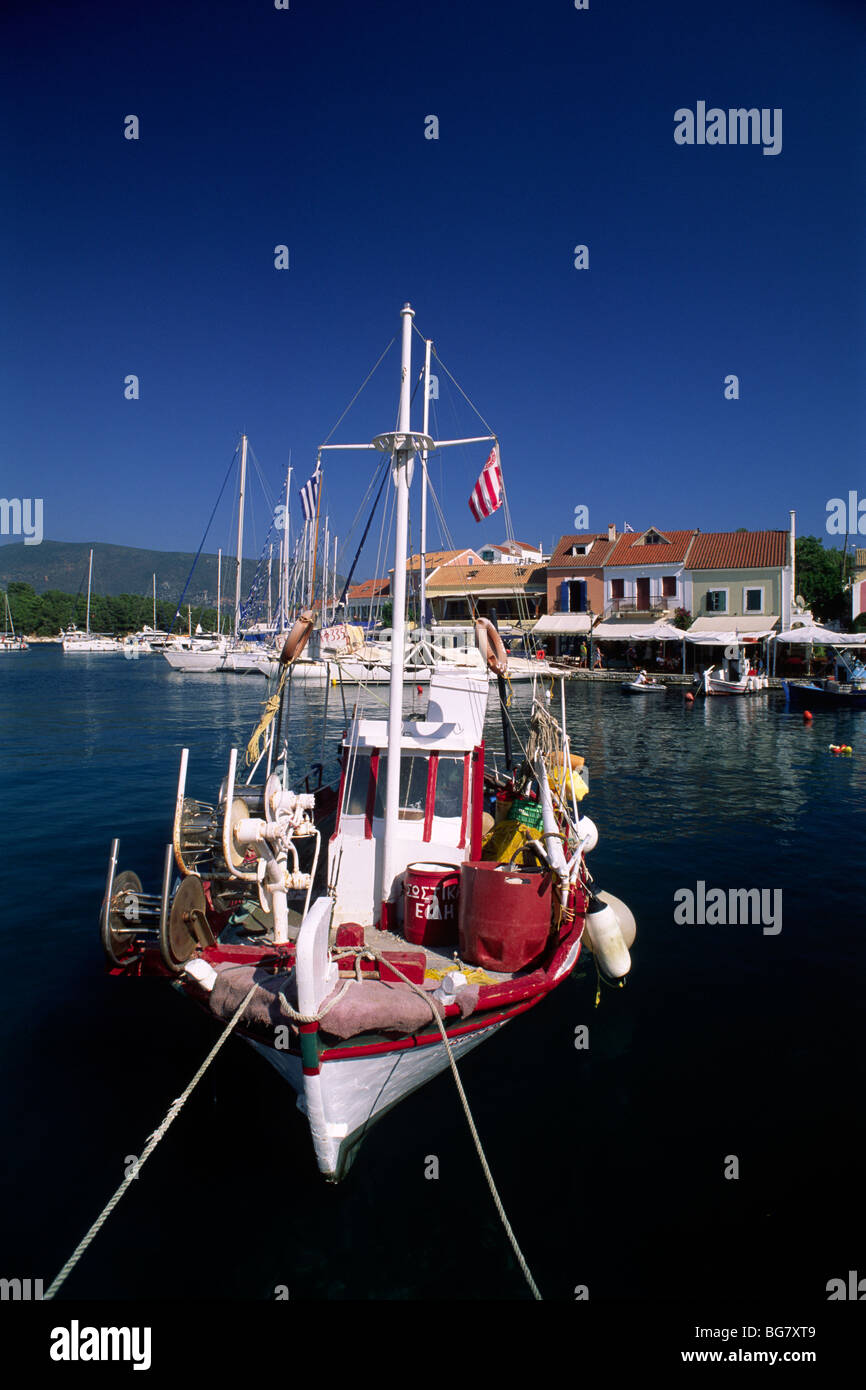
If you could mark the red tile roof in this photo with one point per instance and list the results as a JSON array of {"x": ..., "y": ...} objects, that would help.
[
  {"x": 595, "y": 557},
  {"x": 441, "y": 557},
  {"x": 627, "y": 551},
  {"x": 738, "y": 550},
  {"x": 481, "y": 576},
  {"x": 369, "y": 588}
]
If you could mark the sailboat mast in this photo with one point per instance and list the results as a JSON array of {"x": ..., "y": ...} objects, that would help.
[
  {"x": 334, "y": 589},
  {"x": 284, "y": 577},
  {"x": 89, "y": 577},
  {"x": 315, "y": 542},
  {"x": 240, "y": 533},
  {"x": 400, "y": 460},
  {"x": 154, "y": 603},
  {"x": 422, "y": 616},
  {"x": 219, "y": 594},
  {"x": 326, "y": 552}
]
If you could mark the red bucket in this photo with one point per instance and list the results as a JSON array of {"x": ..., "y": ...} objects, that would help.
[
  {"x": 432, "y": 902},
  {"x": 505, "y": 915}
]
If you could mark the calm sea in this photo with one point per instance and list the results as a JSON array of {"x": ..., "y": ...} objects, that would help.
[{"x": 728, "y": 1042}]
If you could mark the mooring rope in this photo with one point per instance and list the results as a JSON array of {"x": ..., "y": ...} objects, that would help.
[
  {"x": 527, "y": 1274},
  {"x": 173, "y": 1111},
  {"x": 176, "y": 1106}
]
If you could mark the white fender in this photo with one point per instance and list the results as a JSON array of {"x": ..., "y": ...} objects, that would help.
[
  {"x": 604, "y": 938},
  {"x": 624, "y": 916}
]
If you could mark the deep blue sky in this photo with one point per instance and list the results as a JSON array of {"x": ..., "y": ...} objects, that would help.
[{"x": 306, "y": 127}]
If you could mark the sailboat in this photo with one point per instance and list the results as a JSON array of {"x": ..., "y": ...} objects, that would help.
[
  {"x": 364, "y": 938},
  {"x": 232, "y": 654},
  {"x": 74, "y": 641},
  {"x": 9, "y": 642}
]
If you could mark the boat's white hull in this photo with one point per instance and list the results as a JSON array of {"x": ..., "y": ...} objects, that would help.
[
  {"x": 749, "y": 685},
  {"x": 74, "y": 645},
  {"x": 347, "y": 1096}
]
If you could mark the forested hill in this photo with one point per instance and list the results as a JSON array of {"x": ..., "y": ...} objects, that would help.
[{"x": 119, "y": 569}]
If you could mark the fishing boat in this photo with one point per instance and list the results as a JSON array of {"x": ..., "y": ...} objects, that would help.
[
  {"x": 365, "y": 937},
  {"x": 831, "y": 693},
  {"x": 9, "y": 642},
  {"x": 736, "y": 676}
]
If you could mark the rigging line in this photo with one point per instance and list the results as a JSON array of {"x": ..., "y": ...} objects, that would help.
[
  {"x": 203, "y": 539},
  {"x": 359, "y": 390},
  {"x": 465, "y": 397},
  {"x": 362, "y": 542}
]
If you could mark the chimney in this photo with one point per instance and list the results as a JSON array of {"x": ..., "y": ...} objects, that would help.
[{"x": 611, "y": 530}]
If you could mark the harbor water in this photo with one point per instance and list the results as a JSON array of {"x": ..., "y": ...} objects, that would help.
[{"x": 705, "y": 1139}]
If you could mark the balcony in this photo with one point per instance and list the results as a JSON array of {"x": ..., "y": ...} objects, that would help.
[{"x": 655, "y": 605}]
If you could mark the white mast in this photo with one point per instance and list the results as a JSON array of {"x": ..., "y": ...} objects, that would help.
[
  {"x": 240, "y": 533},
  {"x": 402, "y": 446},
  {"x": 793, "y": 569},
  {"x": 422, "y": 616},
  {"x": 400, "y": 463},
  {"x": 89, "y": 577},
  {"x": 270, "y": 566},
  {"x": 219, "y": 594},
  {"x": 284, "y": 577},
  {"x": 154, "y": 603},
  {"x": 326, "y": 555},
  {"x": 334, "y": 591}
]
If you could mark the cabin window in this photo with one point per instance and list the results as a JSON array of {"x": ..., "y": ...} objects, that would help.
[
  {"x": 449, "y": 786},
  {"x": 413, "y": 786},
  {"x": 357, "y": 784}
]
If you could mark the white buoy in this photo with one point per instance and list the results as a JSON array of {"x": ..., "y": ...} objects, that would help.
[{"x": 587, "y": 832}]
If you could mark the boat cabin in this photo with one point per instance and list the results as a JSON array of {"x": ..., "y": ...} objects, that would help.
[{"x": 441, "y": 798}]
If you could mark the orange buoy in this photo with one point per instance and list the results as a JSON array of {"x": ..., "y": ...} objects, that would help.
[
  {"x": 807, "y": 715},
  {"x": 690, "y": 699}
]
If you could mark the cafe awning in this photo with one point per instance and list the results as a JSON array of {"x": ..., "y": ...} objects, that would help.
[
  {"x": 660, "y": 631},
  {"x": 723, "y": 630},
  {"x": 562, "y": 624},
  {"x": 814, "y": 634}
]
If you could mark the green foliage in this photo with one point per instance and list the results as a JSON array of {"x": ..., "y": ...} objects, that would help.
[
  {"x": 682, "y": 618},
  {"x": 46, "y": 615},
  {"x": 818, "y": 578}
]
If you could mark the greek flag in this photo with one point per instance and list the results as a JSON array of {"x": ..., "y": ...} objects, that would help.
[{"x": 309, "y": 496}]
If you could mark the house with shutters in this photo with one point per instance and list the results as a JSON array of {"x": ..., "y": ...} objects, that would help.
[
  {"x": 644, "y": 583},
  {"x": 737, "y": 582},
  {"x": 575, "y": 590}
]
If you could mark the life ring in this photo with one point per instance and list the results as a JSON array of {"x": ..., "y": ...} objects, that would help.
[
  {"x": 298, "y": 637},
  {"x": 491, "y": 646}
]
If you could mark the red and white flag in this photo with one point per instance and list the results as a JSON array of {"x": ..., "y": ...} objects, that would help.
[{"x": 487, "y": 493}]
